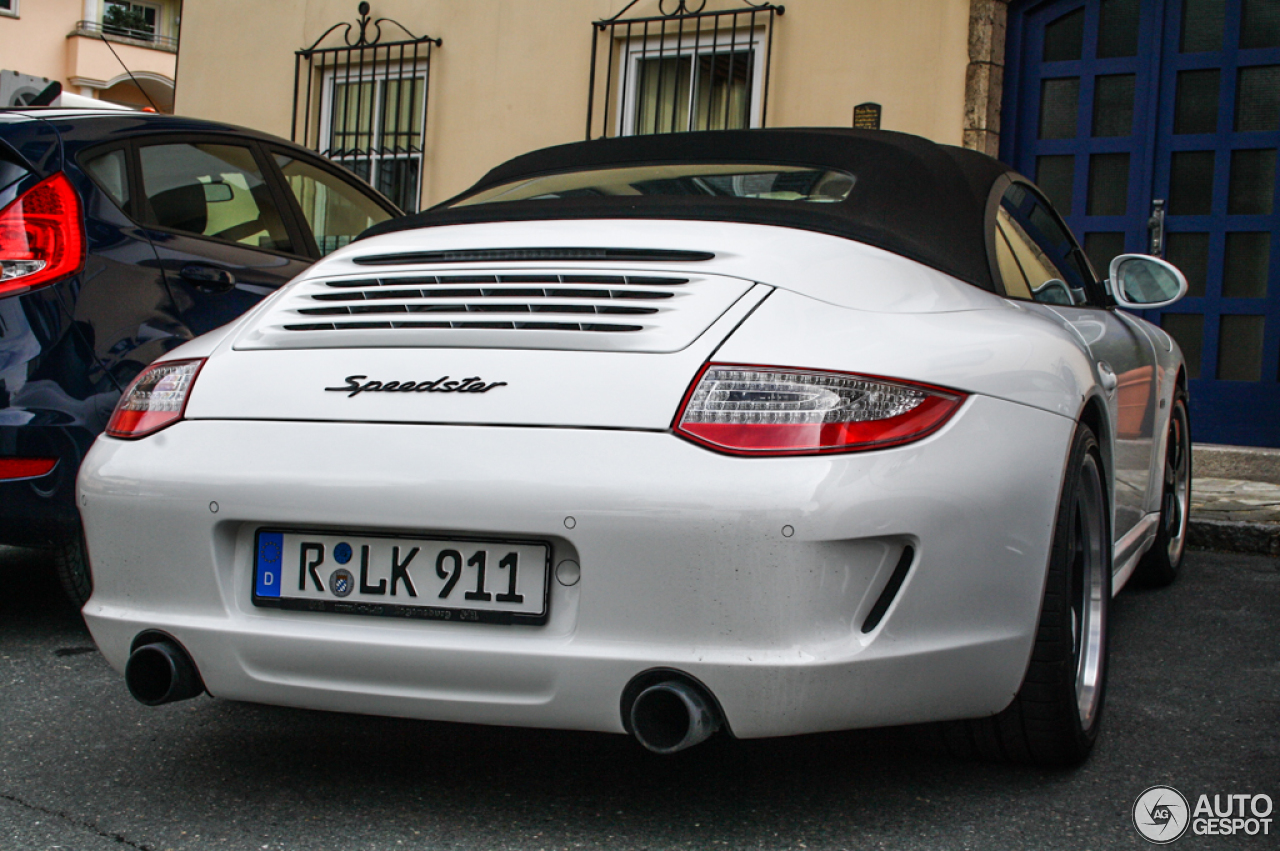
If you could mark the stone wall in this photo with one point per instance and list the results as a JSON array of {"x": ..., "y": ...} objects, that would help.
[{"x": 984, "y": 80}]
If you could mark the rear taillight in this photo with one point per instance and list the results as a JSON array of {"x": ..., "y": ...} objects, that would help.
[
  {"x": 770, "y": 411},
  {"x": 156, "y": 399},
  {"x": 41, "y": 237}
]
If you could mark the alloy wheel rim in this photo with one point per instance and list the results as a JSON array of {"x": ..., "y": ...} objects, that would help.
[
  {"x": 1177, "y": 484},
  {"x": 1088, "y": 590}
]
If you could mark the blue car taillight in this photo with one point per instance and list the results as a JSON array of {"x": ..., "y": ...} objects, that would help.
[{"x": 41, "y": 236}]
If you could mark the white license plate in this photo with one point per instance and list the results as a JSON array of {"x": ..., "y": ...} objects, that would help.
[{"x": 421, "y": 577}]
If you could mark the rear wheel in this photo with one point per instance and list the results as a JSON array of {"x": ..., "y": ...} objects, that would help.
[
  {"x": 1054, "y": 718},
  {"x": 71, "y": 560},
  {"x": 1160, "y": 565}
]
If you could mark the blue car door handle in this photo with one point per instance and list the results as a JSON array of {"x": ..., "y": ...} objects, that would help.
[{"x": 210, "y": 279}]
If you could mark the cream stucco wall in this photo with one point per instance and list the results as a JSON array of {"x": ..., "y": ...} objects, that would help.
[
  {"x": 42, "y": 41},
  {"x": 512, "y": 74},
  {"x": 907, "y": 55},
  {"x": 236, "y": 60},
  {"x": 35, "y": 42},
  {"x": 89, "y": 59}
]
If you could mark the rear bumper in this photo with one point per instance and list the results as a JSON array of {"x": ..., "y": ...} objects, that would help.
[
  {"x": 41, "y": 511},
  {"x": 753, "y": 575},
  {"x": 48, "y": 409},
  {"x": 38, "y": 512}
]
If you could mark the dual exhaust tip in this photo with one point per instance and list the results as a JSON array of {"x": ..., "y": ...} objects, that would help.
[
  {"x": 160, "y": 671},
  {"x": 666, "y": 716},
  {"x": 670, "y": 715}
]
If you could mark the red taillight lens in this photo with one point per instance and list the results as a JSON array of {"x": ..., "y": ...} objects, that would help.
[
  {"x": 26, "y": 468},
  {"x": 156, "y": 399},
  {"x": 768, "y": 411},
  {"x": 41, "y": 237}
]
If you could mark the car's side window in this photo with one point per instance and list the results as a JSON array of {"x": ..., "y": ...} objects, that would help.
[
  {"x": 111, "y": 172},
  {"x": 1015, "y": 282},
  {"x": 335, "y": 210},
  {"x": 1052, "y": 267},
  {"x": 211, "y": 190}
]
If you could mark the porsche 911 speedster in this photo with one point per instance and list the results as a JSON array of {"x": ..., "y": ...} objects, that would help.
[{"x": 769, "y": 432}]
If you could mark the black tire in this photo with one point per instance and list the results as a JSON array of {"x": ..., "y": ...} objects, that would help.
[
  {"x": 1159, "y": 567},
  {"x": 1054, "y": 718},
  {"x": 71, "y": 560}
]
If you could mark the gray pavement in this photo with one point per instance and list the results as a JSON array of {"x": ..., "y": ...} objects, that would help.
[{"x": 1193, "y": 702}]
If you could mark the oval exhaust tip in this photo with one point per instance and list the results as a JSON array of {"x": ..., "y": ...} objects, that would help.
[
  {"x": 671, "y": 716},
  {"x": 161, "y": 672}
]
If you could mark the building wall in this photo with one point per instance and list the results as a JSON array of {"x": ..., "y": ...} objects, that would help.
[
  {"x": 43, "y": 41},
  {"x": 89, "y": 62},
  {"x": 512, "y": 75},
  {"x": 35, "y": 42},
  {"x": 247, "y": 79}
]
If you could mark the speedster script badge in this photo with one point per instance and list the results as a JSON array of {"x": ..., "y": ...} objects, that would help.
[{"x": 357, "y": 384}]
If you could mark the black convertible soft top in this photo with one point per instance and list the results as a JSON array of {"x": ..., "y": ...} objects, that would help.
[{"x": 912, "y": 196}]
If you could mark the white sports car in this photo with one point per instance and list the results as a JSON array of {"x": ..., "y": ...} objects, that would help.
[{"x": 769, "y": 432}]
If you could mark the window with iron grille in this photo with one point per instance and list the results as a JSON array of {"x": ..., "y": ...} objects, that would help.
[
  {"x": 364, "y": 104},
  {"x": 682, "y": 69},
  {"x": 373, "y": 124}
]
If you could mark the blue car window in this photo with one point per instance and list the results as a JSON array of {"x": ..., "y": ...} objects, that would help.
[
  {"x": 110, "y": 172},
  {"x": 211, "y": 190},
  {"x": 335, "y": 210},
  {"x": 1053, "y": 266}
]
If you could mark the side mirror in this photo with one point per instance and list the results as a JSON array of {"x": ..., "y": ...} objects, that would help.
[{"x": 1142, "y": 282}]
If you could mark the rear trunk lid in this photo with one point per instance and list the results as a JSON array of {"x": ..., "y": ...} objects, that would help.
[{"x": 546, "y": 323}]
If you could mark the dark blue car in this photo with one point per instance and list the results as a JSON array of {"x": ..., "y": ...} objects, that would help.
[{"x": 122, "y": 236}]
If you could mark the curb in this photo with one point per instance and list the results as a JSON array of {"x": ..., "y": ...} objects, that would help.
[{"x": 1234, "y": 536}]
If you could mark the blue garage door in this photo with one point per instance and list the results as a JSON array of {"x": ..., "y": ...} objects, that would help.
[{"x": 1129, "y": 112}]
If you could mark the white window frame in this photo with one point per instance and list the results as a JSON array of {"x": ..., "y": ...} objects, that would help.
[
  {"x": 692, "y": 44},
  {"x": 378, "y": 74},
  {"x": 12, "y": 11}
]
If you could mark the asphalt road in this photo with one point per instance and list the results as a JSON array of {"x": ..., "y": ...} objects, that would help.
[{"x": 1194, "y": 703}]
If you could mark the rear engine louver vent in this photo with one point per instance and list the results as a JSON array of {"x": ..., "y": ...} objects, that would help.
[
  {"x": 509, "y": 302},
  {"x": 536, "y": 309}
]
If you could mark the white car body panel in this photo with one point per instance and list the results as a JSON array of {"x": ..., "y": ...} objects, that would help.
[
  {"x": 828, "y": 268},
  {"x": 685, "y": 561},
  {"x": 542, "y": 386},
  {"x": 684, "y": 564},
  {"x": 1006, "y": 353}
]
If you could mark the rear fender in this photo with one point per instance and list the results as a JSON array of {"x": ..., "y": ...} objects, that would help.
[{"x": 36, "y": 147}]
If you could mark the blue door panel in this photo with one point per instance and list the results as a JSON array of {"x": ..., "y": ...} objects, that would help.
[{"x": 1230, "y": 330}]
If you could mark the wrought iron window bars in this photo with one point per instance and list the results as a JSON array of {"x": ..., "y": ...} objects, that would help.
[
  {"x": 684, "y": 68},
  {"x": 364, "y": 102}
]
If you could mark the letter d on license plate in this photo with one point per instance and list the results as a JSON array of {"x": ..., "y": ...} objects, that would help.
[{"x": 425, "y": 578}]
